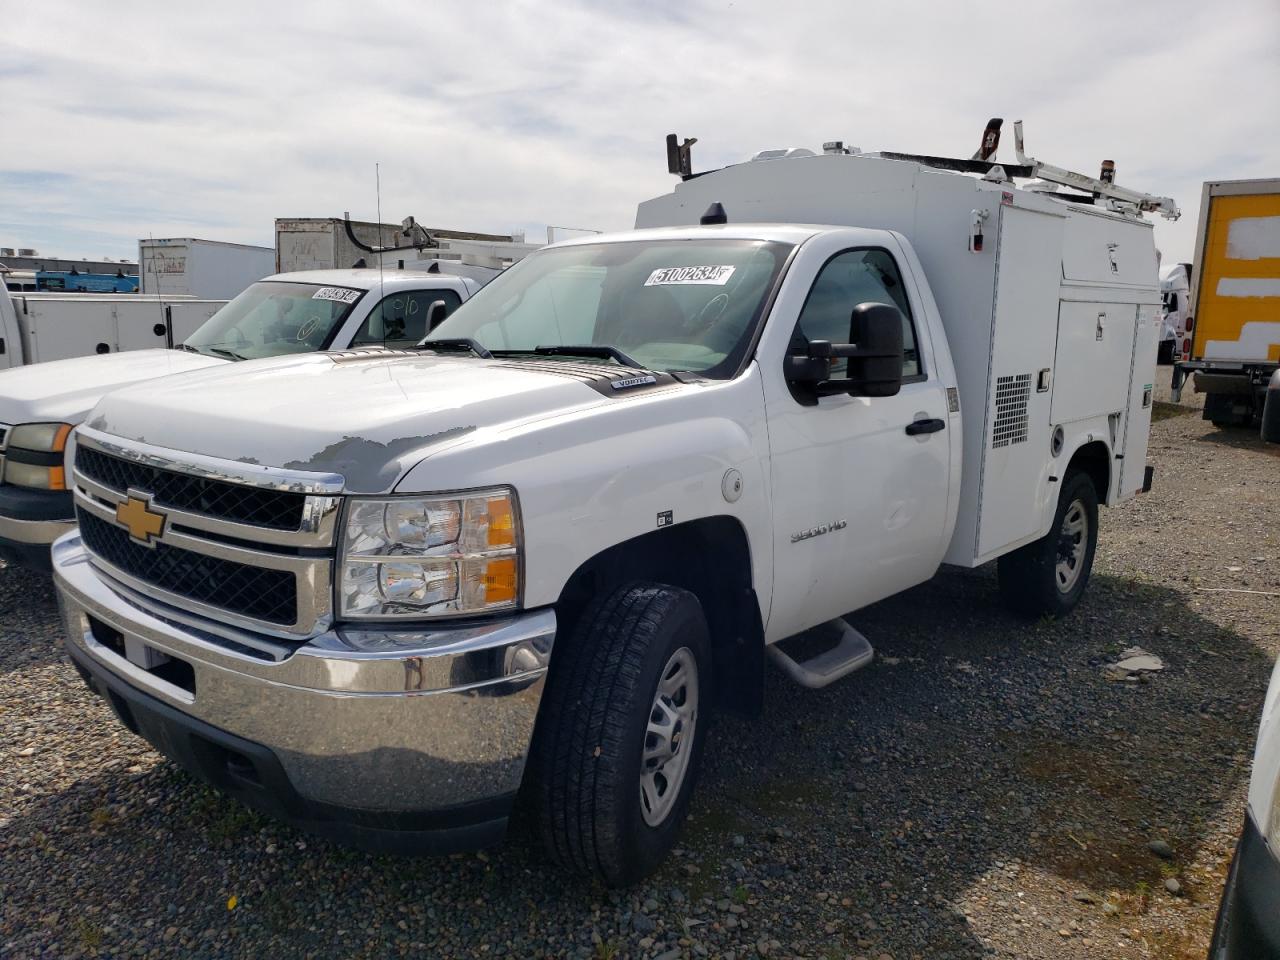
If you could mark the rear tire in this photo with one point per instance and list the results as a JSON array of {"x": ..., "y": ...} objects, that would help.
[
  {"x": 1048, "y": 577},
  {"x": 620, "y": 738}
]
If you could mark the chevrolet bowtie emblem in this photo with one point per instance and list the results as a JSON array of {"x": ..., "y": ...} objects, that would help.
[{"x": 143, "y": 523}]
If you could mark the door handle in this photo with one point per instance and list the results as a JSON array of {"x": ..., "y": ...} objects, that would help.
[{"x": 917, "y": 427}]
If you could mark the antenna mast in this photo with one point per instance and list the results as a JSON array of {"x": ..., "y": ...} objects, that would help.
[{"x": 377, "y": 179}]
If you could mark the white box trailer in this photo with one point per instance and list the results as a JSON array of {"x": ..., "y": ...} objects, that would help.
[
  {"x": 1051, "y": 308},
  {"x": 205, "y": 269},
  {"x": 50, "y": 326}
]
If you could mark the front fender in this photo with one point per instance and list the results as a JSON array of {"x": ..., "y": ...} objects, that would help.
[{"x": 591, "y": 478}]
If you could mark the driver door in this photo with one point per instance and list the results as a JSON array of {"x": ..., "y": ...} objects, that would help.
[{"x": 859, "y": 504}]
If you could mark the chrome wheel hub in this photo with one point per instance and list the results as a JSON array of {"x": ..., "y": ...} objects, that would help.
[
  {"x": 1073, "y": 544},
  {"x": 668, "y": 738}
]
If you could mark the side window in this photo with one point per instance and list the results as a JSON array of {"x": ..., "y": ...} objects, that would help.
[
  {"x": 848, "y": 279},
  {"x": 400, "y": 320}
]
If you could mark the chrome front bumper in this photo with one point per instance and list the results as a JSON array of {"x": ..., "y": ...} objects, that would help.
[
  {"x": 33, "y": 531},
  {"x": 381, "y": 731}
]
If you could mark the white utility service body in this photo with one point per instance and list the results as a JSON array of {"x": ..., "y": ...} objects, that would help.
[
  {"x": 638, "y": 444},
  {"x": 63, "y": 391},
  {"x": 1051, "y": 324},
  {"x": 43, "y": 327},
  {"x": 210, "y": 269}
]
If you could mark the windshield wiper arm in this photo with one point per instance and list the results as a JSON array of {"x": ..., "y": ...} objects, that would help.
[
  {"x": 603, "y": 351},
  {"x": 223, "y": 352},
  {"x": 456, "y": 343}
]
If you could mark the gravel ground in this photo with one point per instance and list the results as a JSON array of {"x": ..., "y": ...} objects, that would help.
[{"x": 981, "y": 790}]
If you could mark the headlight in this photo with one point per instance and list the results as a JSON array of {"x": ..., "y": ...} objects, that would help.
[
  {"x": 410, "y": 558},
  {"x": 34, "y": 475},
  {"x": 34, "y": 455},
  {"x": 44, "y": 437}
]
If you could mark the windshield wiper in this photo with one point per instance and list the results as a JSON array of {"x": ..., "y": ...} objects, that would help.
[
  {"x": 222, "y": 352},
  {"x": 456, "y": 343},
  {"x": 603, "y": 351}
]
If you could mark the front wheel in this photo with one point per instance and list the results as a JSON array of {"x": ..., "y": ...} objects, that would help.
[
  {"x": 1048, "y": 577},
  {"x": 621, "y": 733}
]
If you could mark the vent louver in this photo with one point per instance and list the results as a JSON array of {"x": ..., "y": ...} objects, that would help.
[{"x": 1012, "y": 396}]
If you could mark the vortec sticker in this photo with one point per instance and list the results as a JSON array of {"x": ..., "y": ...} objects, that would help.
[
  {"x": 341, "y": 294},
  {"x": 674, "y": 276}
]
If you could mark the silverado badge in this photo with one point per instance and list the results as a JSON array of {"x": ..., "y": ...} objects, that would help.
[{"x": 143, "y": 523}]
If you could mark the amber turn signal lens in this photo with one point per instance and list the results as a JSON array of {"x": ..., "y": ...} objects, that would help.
[
  {"x": 502, "y": 523},
  {"x": 60, "y": 438},
  {"x": 501, "y": 581}
]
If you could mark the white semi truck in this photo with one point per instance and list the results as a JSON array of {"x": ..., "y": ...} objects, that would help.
[
  {"x": 379, "y": 593},
  {"x": 289, "y": 313},
  {"x": 1175, "y": 292}
]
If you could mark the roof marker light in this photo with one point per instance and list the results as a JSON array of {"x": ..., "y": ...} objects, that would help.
[{"x": 715, "y": 214}]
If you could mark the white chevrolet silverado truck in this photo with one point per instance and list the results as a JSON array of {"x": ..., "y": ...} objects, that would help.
[
  {"x": 380, "y": 593},
  {"x": 283, "y": 314}
]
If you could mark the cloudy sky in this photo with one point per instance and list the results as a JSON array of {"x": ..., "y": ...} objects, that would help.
[{"x": 131, "y": 120}]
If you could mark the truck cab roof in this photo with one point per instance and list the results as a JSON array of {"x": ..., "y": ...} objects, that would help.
[
  {"x": 791, "y": 233},
  {"x": 370, "y": 279}
]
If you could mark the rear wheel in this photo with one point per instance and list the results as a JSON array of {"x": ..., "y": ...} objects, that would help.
[
  {"x": 621, "y": 733},
  {"x": 1048, "y": 577}
]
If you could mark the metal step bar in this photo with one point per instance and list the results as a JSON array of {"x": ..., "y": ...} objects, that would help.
[{"x": 849, "y": 651}]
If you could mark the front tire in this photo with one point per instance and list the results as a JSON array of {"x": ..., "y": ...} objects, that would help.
[
  {"x": 1048, "y": 577},
  {"x": 620, "y": 738}
]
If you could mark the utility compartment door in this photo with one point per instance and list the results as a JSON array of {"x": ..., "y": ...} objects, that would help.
[
  {"x": 1016, "y": 445},
  {"x": 60, "y": 329},
  {"x": 1095, "y": 356},
  {"x": 141, "y": 325}
]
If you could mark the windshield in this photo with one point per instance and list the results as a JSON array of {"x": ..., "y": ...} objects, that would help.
[
  {"x": 672, "y": 305},
  {"x": 275, "y": 317}
]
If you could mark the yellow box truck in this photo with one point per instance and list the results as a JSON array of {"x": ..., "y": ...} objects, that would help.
[{"x": 1234, "y": 348}]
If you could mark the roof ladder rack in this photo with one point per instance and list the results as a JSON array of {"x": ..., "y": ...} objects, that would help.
[{"x": 1146, "y": 202}]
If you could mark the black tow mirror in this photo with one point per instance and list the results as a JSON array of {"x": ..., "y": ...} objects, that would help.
[
  {"x": 436, "y": 314},
  {"x": 874, "y": 354},
  {"x": 875, "y": 370}
]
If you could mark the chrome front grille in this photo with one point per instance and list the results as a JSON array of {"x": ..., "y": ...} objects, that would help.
[
  {"x": 269, "y": 595},
  {"x": 244, "y": 545},
  {"x": 276, "y": 509}
]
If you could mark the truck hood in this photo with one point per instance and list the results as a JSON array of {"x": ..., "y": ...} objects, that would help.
[
  {"x": 368, "y": 416},
  {"x": 66, "y": 390}
]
